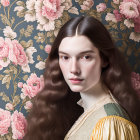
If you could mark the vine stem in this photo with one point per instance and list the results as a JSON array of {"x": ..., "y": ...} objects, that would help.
[
  {"x": 10, "y": 8},
  {"x": 18, "y": 24},
  {"x": 5, "y": 12},
  {"x": 14, "y": 82},
  {"x": 23, "y": 102}
]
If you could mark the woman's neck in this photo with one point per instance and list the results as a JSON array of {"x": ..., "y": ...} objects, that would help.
[{"x": 90, "y": 98}]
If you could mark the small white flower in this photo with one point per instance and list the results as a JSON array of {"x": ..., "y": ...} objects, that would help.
[
  {"x": 22, "y": 96},
  {"x": 73, "y": 10},
  {"x": 40, "y": 65},
  {"x": 26, "y": 68},
  {"x": 28, "y": 105},
  {"x": 135, "y": 36},
  {"x": 19, "y": 8},
  {"x": 110, "y": 17},
  {"x": 29, "y": 54},
  {"x": 9, "y": 106},
  {"x": 30, "y": 13},
  {"x": 30, "y": 4},
  {"x": 67, "y": 4},
  {"x": 30, "y": 16},
  {"x": 128, "y": 23},
  {"x": 9, "y": 33}
]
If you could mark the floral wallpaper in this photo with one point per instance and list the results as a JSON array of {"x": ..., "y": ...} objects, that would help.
[{"x": 27, "y": 30}]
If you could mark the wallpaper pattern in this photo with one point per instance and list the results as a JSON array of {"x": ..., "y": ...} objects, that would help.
[{"x": 27, "y": 30}]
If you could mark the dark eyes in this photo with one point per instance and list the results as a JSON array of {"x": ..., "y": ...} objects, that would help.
[
  {"x": 64, "y": 57},
  {"x": 84, "y": 57}
]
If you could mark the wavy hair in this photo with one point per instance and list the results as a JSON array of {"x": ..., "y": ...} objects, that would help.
[{"x": 55, "y": 108}]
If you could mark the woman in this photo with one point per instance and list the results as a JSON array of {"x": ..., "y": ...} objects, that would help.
[{"x": 88, "y": 92}]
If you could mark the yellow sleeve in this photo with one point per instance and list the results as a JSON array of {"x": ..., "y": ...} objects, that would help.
[{"x": 114, "y": 128}]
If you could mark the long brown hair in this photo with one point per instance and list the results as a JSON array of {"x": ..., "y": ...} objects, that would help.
[{"x": 55, "y": 108}]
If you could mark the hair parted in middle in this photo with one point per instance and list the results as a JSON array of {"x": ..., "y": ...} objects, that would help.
[{"x": 55, "y": 108}]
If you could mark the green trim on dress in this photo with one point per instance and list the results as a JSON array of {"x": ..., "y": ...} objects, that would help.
[{"x": 115, "y": 109}]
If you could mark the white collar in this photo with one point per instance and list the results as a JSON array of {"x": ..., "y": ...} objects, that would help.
[{"x": 83, "y": 105}]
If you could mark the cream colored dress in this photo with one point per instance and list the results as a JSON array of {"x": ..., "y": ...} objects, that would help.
[{"x": 105, "y": 120}]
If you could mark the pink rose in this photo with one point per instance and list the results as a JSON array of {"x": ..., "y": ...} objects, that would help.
[
  {"x": 9, "y": 106},
  {"x": 87, "y": 4},
  {"x": 5, "y": 119},
  {"x": 20, "y": 84},
  {"x": 33, "y": 86},
  {"x": 17, "y": 54},
  {"x": 28, "y": 105},
  {"x": 118, "y": 16},
  {"x": 101, "y": 7},
  {"x": 137, "y": 24},
  {"x": 4, "y": 53},
  {"x": 137, "y": 2},
  {"x": 5, "y": 3},
  {"x": 129, "y": 9},
  {"x": 48, "y": 48},
  {"x": 52, "y": 9},
  {"x": 19, "y": 125},
  {"x": 4, "y": 49}
]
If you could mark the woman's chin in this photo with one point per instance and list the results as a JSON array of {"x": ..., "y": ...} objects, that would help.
[{"x": 76, "y": 89}]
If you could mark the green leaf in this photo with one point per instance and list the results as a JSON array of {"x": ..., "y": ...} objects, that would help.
[
  {"x": 5, "y": 98},
  {"x": 114, "y": 5},
  {"x": 129, "y": 51},
  {"x": 22, "y": 31},
  {"x": 21, "y": 3},
  {"x": 7, "y": 85},
  {"x": 21, "y": 13},
  {"x": 41, "y": 47},
  {"x": 39, "y": 58},
  {"x": 106, "y": 1},
  {"x": 8, "y": 71},
  {"x": 29, "y": 44},
  {"x": 1, "y": 93},
  {"x": 1, "y": 76},
  {"x": 12, "y": 20},
  {"x": 23, "y": 43},
  {"x": 6, "y": 79},
  {"x": 5, "y": 19},
  {"x": 15, "y": 70},
  {"x": 16, "y": 100},
  {"x": 29, "y": 30},
  {"x": 108, "y": 10},
  {"x": 49, "y": 34},
  {"x": 25, "y": 77},
  {"x": 15, "y": 87},
  {"x": 122, "y": 27}
]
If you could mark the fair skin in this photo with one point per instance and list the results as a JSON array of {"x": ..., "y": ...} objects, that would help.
[{"x": 81, "y": 66}]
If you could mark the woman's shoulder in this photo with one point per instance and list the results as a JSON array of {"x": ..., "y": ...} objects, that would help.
[
  {"x": 115, "y": 124},
  {"x": 112, "y": 127},
  {"x": 114, "y": 109}
]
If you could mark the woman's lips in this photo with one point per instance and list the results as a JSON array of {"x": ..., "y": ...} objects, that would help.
[{"x": 76, "y": 81}]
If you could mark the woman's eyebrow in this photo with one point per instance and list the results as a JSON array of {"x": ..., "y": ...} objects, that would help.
[
  {"x": 62, "y": 52},
  {"x": 88, "y": 51}
]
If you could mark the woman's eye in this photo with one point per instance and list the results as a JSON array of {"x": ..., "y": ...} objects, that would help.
[
  {"x": 64, "y": 57},
  {"x": 86, "y": 57}
]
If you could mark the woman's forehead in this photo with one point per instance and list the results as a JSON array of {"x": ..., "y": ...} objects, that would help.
[{"x": 77, "y": 44}]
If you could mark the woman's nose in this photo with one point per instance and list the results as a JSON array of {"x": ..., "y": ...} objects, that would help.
[{"x": 75, "y": 68}]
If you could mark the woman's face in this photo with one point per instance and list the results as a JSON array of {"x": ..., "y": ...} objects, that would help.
[{"x": 80, "y": 63}]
